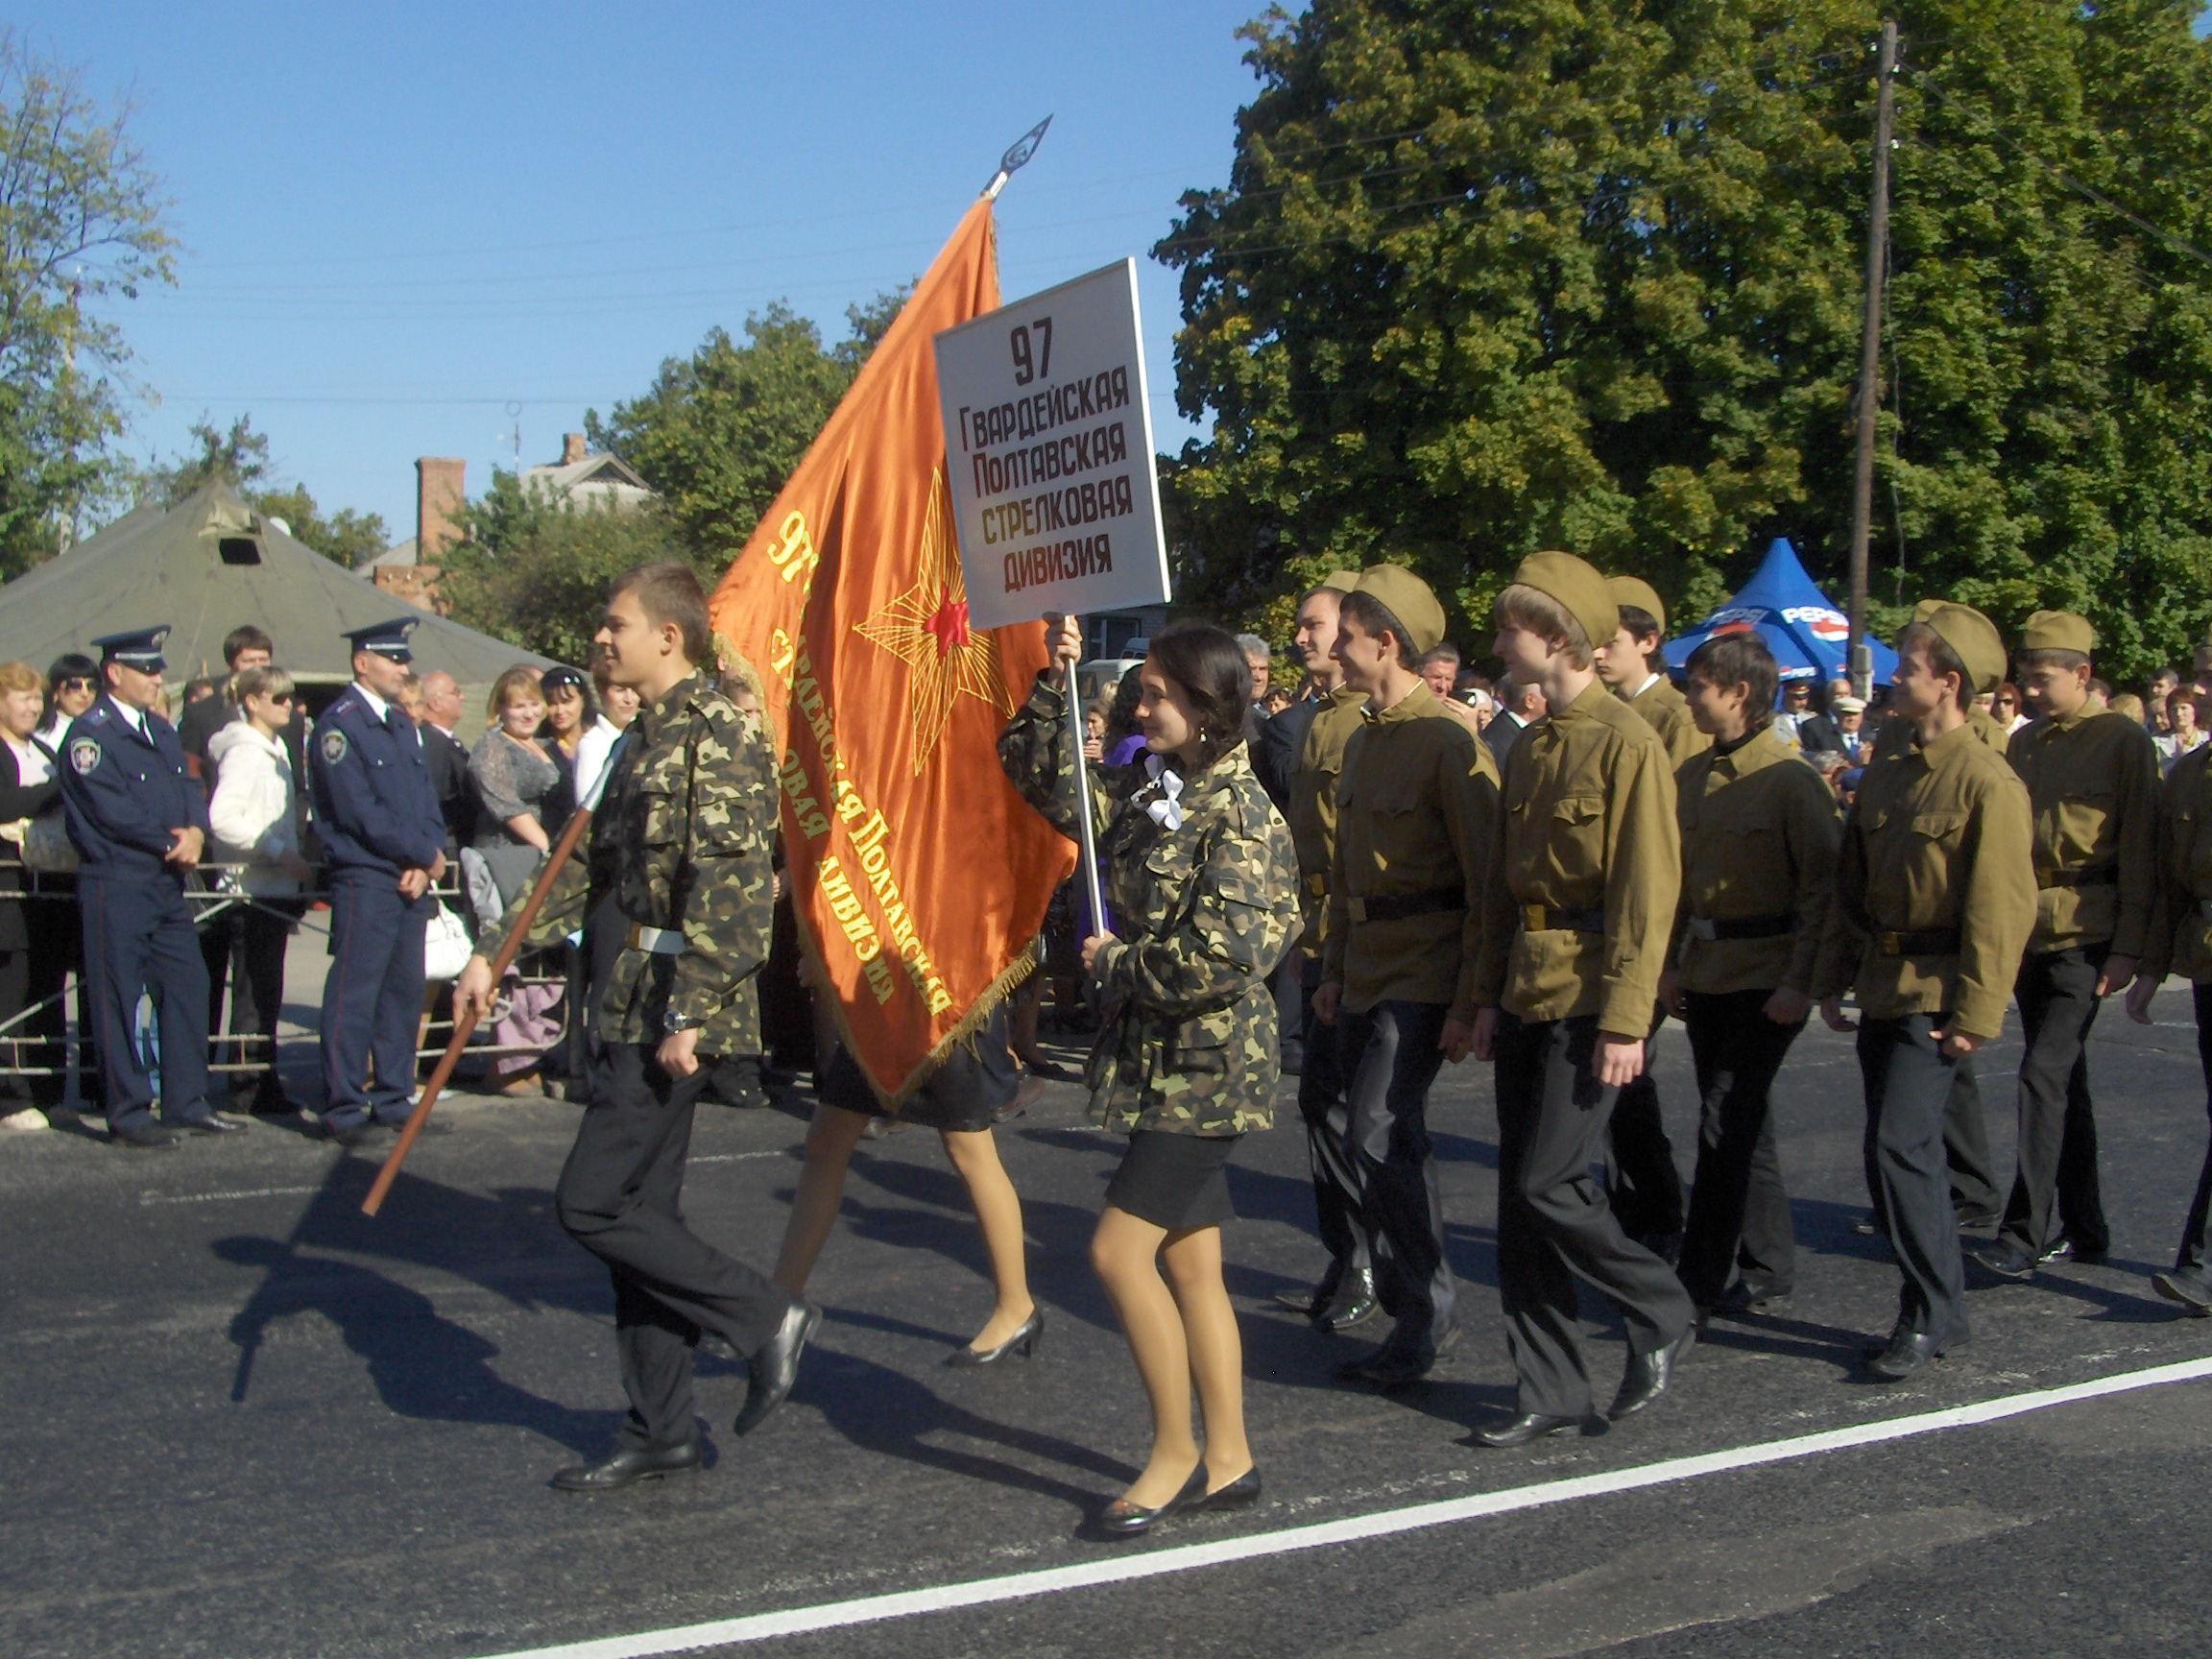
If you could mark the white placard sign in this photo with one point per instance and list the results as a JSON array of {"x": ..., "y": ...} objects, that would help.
[{"x": 1048, "y": 446}]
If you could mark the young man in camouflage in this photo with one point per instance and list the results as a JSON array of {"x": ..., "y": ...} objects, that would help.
[
  {"x": 2180, "y": 940},
  {"x": 1573, "y": 940},
  {"x": 1646, "y": 1188},
  {"x": 1345, "y": 1297},
  {"x": 1759, "y": 835},
  {"x": 2092, "y": 779},
  {"x": 1975, "y": 1199},
  {"x": 1416, "y": 810},
  {"x": 1934, "y": 898},
  {"x": 681, "y": 840}
]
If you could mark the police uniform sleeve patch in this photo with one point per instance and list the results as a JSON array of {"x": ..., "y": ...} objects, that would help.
[
  {"x": 84, "y": 756},
  {"x": 333, "y": 746}
]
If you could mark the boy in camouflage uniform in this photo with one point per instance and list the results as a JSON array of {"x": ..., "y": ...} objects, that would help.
[
  {"x": 681, "y": 841},
  {"x": 1573, "y": 940}
]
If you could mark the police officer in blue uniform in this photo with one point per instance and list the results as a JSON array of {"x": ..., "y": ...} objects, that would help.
[
  {"x": 384, "y": 843},
  {"x": 139, "y": 825}
]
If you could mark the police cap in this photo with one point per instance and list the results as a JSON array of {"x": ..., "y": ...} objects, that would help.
[
  {"x": 137, "y": 648},
  {"x": 388, "y": 638}
]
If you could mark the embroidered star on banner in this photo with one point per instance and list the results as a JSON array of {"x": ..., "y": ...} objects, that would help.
[{"x": 926, "y": 627}]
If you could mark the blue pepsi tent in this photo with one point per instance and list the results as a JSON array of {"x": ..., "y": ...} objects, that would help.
[{"x": 1807, "y": 634}]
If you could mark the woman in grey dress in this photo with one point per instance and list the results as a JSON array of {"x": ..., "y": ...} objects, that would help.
[{"x": 512, "y": 775}]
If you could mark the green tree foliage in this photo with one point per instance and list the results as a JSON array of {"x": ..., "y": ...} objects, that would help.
[
  {"x": 533, "y": 570},
  {"x": 239, "y": 456},
  {"x": 720, "y": 431},
  {"x": 1489, "y": 278},
  {"x": 81, "y": 220}
]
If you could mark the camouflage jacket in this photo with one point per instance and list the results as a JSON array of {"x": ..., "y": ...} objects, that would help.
[
  {"x": 1202, "y": 913},
  {"x": 682, "y": 841}
]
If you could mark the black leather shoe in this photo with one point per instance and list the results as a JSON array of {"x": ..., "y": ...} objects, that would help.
[
  {"x": 2192, "y": 1293},
  {"x": 1353, "y": 1304},
  {"x": 2067, "y": 1250},
  {"x": 1122, "y": 1518},
  {"x": 2005, "y": 1259},
  {"x": 1974, "y": 1220},
  {"x": 1908, "y": 1351},
  {"x": 1240, "y": 1493},
  {"x": 1739, "y": 1299},
  {"x": 146, "y": 1136},
  {"x": 214, "y": 1123},
  {"x": 1027, "y": 1340},
  {"x": 1648, "y": 1376},
  {"x": 1403, "y": 1357},
  {"x": 349, "y": 1135},
  {"x": 1865, "y": 1228},
  {"x": 1530, "y": 1425},
  {"x": 627, "y": 1467},
  {"x": 1310, "y": 1303},
  {"x": 775, "y": 1367}
]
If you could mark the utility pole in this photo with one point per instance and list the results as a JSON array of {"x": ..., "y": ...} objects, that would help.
[{"x": 1861, "y": 659}]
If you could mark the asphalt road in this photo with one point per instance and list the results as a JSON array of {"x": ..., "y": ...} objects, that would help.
[{"x": 241, "y": 1420}]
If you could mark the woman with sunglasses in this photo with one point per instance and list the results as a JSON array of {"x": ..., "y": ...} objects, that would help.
[
  {"x": 75, "y": 682},
  {"x": 254, "y": 814}
]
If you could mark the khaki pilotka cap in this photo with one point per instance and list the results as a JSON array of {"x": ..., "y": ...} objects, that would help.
[
  {"x": 1343, "y": 582},
  {"x": 1409, "y": 599},
  {"x": 1578, "y": 589},
  {"x": 1926, "y": 608},
  {"x": 1635, "y": 590},
  {"x": 1974, "y": 641},
  {"x": 2058, "y": 631}
]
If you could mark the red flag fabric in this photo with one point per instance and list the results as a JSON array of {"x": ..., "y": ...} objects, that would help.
[{"x": 920, "y": 878}]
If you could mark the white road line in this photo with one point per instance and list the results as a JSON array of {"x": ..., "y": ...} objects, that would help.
[
  {"x": 739, "y": 1157},
  {"x": 146, "y": 1198},
  {"x": 1045, "y": 1581}
]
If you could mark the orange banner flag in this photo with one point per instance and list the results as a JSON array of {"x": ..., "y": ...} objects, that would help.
[{"x": 919, "y": 877}]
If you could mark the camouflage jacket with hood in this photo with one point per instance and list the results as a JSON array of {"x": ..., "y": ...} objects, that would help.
[{"x": 1202, "y": 888}]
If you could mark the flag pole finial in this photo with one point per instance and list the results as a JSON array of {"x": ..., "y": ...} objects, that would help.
[{"x": 1015, "y": 157}]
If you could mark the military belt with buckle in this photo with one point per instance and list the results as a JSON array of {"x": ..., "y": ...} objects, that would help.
[
  {"x": 1317, "y": 885},
  {"x": 1550, "y": 919},
  {"x": 1398, "y": 906},
  {"x": 2106, "y": 876},
  {"x": 1711, "y": 930},
  {"x": 657, "y": 941},
  {"x": 1919, "y": 942}
]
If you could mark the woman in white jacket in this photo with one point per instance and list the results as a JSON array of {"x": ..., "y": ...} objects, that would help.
[{"x": 255, "y": 816}]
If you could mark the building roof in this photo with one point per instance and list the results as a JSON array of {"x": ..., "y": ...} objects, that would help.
[
  {"x": 206, "y": 567},
  {"x": 605, "y": 475}
]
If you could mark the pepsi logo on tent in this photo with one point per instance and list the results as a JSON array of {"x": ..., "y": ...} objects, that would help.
[
  {"x": 1799, "y": 623},
  {"x": 1832, "y": 626}
]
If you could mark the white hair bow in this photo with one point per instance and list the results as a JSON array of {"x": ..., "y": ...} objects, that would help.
[{"x": 1167, "y": 811}]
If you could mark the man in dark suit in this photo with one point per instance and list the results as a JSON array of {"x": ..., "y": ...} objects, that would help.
[
  {"x": 1519, "y": 708},
  {"x": 447, "y": 759}
]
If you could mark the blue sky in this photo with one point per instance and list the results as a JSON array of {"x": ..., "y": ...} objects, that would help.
[{"x": 400, "y": 219}]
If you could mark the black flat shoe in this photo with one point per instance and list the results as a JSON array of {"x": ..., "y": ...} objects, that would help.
[
  {"x": 1530, "y": 1425},
  {"x": 1027, "y": 1340},
  {"x": 214, "y": 1125},
  {"x": 2194, "y": 1294},
  {"x": 1648, "y": 1376},
  {"x": 627, "y": 1467},
  {"x": 775, "y": 1367},
  {"x": 1122, "y": 1518},
  {"x": 1240, "y": 1493},
  {"x": 1908, "y": 1351},
  {"x": 145, "y": 1137},
  {"x": 2003, "y": 1258}
]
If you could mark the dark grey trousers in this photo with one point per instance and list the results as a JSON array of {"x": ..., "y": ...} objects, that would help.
[
  {"x": 1739, "y": 1208},
  {"x": 1966, "y": 1146},
  {"x": 2190, "y": 1258},
  {"x": 1329, "y": 1135},
  {"x": 2056, "y": 1186},
  {"x": 1391, "y": 1058},
  {"x": 1646, "y": 1187},
  {"x": 1554, "y": 1222},
  {"x": 1907, "y": 1084},
  {"x": 619, "y": 1197}
]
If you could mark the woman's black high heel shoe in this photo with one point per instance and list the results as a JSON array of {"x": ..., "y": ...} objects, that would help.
[
  {"x": 1027, "y": 1340},
  {"x": 1122, "y": 1518}
]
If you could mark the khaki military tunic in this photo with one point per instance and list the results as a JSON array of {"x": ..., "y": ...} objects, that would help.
[
  {"x": 1938, "y": 844},
  {"x": 1312, "y": 808},
  {"x": 2093, "y": 786},
  {"x": 682, "y": 838},
  {"x": 1416, "y": 814},
  {"x": 2179, "y": 939},
  {"x": 1587, "y": 835},
  {"x": 1759, "y": 837},
  {"x": 1669, "y": 713},
  {"x": 1895, "y": 736}
]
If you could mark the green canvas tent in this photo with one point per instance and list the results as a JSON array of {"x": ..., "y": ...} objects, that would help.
[{"x": 209, "y": 565}]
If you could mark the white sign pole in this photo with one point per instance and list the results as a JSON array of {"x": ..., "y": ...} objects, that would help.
[{"x": 1048, "y": 456}]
